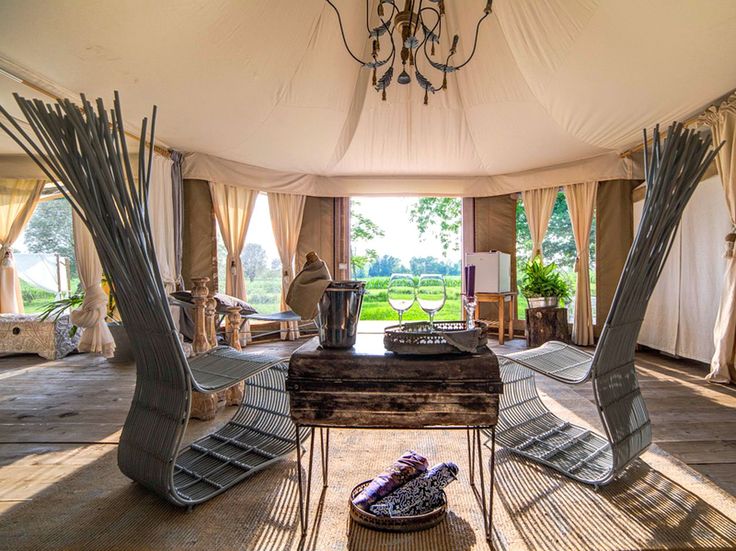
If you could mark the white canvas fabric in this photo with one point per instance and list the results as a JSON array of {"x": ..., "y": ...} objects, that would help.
[
  {"x": 682, "y": 312},
  {"x": 556, "y": 90},
  {"x": 161, "y": 210},
  {"x": 722, "y": 122}
]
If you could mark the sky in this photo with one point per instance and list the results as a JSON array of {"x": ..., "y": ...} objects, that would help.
[{"x": 401, "y": 238}]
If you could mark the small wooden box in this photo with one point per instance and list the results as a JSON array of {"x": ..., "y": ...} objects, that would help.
[{"x": 369, "y": 387}]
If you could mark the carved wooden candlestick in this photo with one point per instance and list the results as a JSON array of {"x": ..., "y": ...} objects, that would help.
[
  {"x": 199, "y": 298},
  {"x": 233, "y": 319}
]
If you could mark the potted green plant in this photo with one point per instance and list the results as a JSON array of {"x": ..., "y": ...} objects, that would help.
[
  {"x": 543, "y": 286},
  {"x": 58, "y": 308}
]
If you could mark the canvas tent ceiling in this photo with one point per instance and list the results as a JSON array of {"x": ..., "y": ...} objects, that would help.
[{"x": 267, "y": 84}]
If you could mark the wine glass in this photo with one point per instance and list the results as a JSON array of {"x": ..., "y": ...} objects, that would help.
[
  {"x": 401, "y": 294},
  {"x": 431, "y": 295}
]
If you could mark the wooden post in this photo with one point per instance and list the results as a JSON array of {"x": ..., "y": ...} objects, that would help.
[
  {"x": 211, "y": 320},
  {"x": 233, "y": 319},
  {"x": 199, "y": 297}
]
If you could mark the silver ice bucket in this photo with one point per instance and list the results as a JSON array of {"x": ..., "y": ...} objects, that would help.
[{"x": 339, "y": 312}]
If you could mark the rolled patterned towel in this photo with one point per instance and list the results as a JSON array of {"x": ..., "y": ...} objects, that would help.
[
  {"x": 410, "y": 465},
  {"x": 419, "y": 495}
]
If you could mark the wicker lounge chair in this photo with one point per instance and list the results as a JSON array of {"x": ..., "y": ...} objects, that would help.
[
  {"x": 526, "y": 426},
  {"x": 85, "y": 150}
]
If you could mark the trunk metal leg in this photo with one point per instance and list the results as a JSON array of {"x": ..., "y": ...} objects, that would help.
[
  {"x": 475, "y": 458},
  {"x": 304, "y": 495},
  {"x": 471, "y": 455},
  {"x": 324, "y": 441}
]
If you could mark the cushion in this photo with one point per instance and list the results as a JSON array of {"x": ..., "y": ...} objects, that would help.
[{"x": 223, "y": 302}]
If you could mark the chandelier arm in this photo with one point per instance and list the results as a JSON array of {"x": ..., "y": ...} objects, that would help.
[
  {"x": 390, "y": 31},
  {"x": 419, "y": 16},
  {"x": 394, "y": 10},
  {"x": 475, "y": 42},
  {"x": 342, "y": 33},
  {"x": 438, "y": 23}
]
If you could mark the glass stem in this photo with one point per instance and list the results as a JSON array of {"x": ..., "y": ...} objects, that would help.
[
  {"x": 431, "y": 321},
  {"x": 401, "y": 319}
]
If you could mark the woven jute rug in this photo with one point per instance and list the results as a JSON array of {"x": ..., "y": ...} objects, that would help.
[{"x": 658, "y": 504}]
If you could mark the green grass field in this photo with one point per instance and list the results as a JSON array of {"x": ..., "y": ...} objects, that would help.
[
  {"x": 376, "y": 306},
  {"x": 35, "y": 299}
]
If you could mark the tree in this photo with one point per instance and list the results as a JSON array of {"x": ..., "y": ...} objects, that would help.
[
  {"x": 254, "y": 260},
  {"x": 442, "y": 214},
  {"x": 50, "y": 231},
  {"x": 384, "y": 266},
  {"x": 362, "y": 229},
  {"x": 428, "y": 265},
  {"x": 559, "y": 243}
]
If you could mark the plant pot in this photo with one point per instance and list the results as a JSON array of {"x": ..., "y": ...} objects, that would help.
[
  {"x": 543, "y": 302},
  {"x": 123, "y": 350}
]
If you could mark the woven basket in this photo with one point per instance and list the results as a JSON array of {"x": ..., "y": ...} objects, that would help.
[
  {"x": 396, "y": 524},
  {"x": 417, "y": 338}
]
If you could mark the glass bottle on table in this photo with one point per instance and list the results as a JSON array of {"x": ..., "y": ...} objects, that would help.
[
  {"x": 431, "y": 295},
  {"x": 401, "y": 294}
]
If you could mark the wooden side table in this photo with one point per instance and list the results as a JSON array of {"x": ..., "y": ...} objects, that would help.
[
  {"x": 369, "y": 387},
  {"x": 501, "y": 299}
]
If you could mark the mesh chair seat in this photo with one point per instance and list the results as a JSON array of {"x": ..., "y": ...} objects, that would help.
[
  {"x": 223, "y": 366},
  {"x": 558, "y": 361}
]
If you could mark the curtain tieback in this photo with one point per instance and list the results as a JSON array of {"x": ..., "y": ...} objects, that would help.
[
  {"x": 730, "y": 242},
  {"x": 233, "y": 268},
  {"x": 577, "y": 264},
  {"x": 93, "y": 309},
  {"x": 6, "y": 256}
]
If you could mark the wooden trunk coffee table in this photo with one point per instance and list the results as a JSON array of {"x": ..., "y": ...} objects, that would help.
[{"x": 368, "y": 387}]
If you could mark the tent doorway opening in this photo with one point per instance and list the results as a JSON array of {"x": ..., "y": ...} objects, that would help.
[{"x": 408, "y": 235}]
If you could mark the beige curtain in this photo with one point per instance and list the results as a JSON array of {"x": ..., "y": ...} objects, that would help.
[
  {"x": 286, "y": 219},
  {"x": 18, "y": 200},
  {"x": 722, "y": 122},
  {"x": 90, "y": 317},
  {"x": 538, "y": 205},
  {"x": 581, "y": 204},
  {"x": 233, "y": 209},
  {"x": 342, "y": 237}
]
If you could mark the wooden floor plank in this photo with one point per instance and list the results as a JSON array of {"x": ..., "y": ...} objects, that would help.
[{"x": 45, "y": 405}]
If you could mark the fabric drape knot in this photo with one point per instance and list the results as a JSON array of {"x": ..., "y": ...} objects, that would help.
[
  {"x": 93, "y": 309},
  {"x": 233, "y": 266},
  {"x": 577, "y": 264},
  {"x": 6, "y": 256}
]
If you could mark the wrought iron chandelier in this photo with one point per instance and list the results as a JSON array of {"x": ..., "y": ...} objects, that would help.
[{"x": 416, "y": 47}]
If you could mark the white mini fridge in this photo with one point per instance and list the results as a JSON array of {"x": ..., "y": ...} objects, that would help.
[{"x": 492, "y": 271}]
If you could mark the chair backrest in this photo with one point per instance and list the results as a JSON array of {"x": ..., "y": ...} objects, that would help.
[
  {"x": 85, "y": 152},
  {"x": 673, "y": 172}
]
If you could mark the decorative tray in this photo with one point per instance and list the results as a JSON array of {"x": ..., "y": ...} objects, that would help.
[
  {"x": 396, "y": 524},
  {"x": 448, "y": 337}
]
